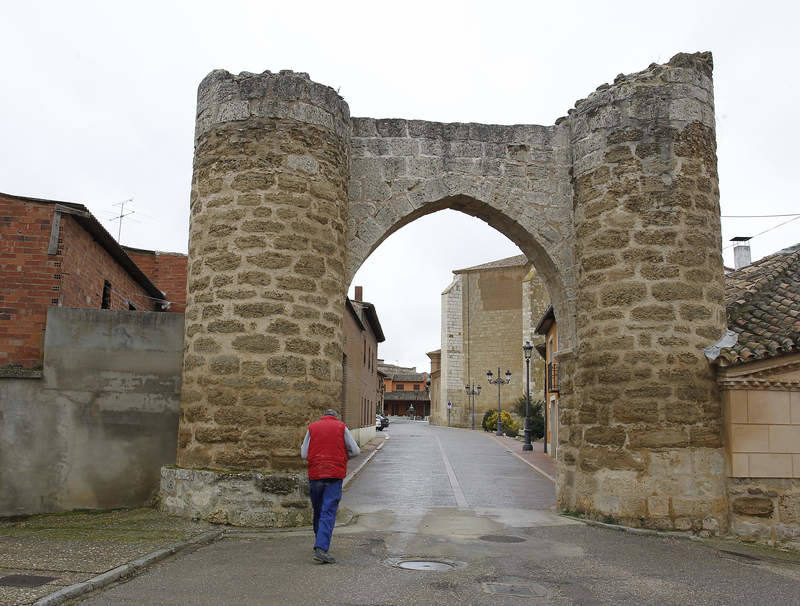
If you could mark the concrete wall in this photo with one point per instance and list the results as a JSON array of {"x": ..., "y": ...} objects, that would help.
[{"x": 95, "y": 429}]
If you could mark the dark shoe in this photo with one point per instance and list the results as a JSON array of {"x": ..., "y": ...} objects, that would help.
[{"x": 323, "y": 557}]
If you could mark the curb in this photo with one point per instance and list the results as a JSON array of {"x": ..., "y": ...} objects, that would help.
[
  {"x": 130, "y": 569},
  {"x": 536, "y": 468},
  {"x": 646, "y": 532},
  {"x": 354, "y": 473}
]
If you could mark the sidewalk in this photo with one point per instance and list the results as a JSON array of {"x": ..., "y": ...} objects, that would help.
[
  {"x": 70, "y": 554},
  {"x": 542, "y": 463}
]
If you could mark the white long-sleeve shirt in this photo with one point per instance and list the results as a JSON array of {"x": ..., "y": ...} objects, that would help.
[{"x": 350, "y": 444}]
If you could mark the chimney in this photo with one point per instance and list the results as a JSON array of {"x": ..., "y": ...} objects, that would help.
[
  {"x": 360, "y": 292},
  {"x": 741, "y": 251}
]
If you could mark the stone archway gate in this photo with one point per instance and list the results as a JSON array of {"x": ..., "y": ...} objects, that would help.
[{"x": 616, "y": 204}]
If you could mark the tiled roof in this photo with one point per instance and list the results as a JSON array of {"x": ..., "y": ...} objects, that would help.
[
  {"x": 507, "y": 262},
  {"x": 409, "y": 377},
  {"x": 763, "y": 306}
]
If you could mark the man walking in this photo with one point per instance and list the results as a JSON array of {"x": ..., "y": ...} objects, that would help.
[{"x": 327, "y": 446}]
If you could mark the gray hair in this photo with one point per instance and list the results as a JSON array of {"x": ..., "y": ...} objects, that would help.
[{"x": 330, "y": 412}]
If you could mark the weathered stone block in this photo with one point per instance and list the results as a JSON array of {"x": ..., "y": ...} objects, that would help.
[
  {"x": 753, "y": 506},
  {"x": 256, "y": 344},
  {"x": 655, "y": 437},
  {"x": 258, "y": 310}
]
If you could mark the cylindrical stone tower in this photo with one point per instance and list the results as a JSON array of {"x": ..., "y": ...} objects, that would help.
[
  {"x": 640, "y": 427},
  {"x": 266, "y": 289}
]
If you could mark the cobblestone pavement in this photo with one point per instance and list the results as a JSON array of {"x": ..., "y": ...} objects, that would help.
[{"x": 461, "y": 500}]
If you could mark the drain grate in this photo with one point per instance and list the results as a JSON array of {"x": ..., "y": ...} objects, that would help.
[
  {"x": 531, "y": 590},
  {"x": 24, "y": 580},
  {"x": 501, "y": 538}
]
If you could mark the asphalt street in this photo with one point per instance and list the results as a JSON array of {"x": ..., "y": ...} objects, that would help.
[{"x": 476, "y": 526}]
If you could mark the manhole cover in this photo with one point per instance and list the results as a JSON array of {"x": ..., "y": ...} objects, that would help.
[
  {"x": 24, "y": 580},
  {"x": 501, "y": 538},
  {"x": 424, "y": 565},
  {"x": 531, "y": 590}
]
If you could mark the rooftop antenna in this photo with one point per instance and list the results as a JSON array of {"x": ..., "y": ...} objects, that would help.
[{"x": 122, "y": 215}]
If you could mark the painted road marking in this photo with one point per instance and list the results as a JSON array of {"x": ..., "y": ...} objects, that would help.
[{"x": 457, "y": 492}]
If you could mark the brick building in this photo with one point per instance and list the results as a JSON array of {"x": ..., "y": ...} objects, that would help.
[
  {"x": 57, "y": 254},
  {"x": 167, "y": 269},
  {"x": 361, "y": 386}
]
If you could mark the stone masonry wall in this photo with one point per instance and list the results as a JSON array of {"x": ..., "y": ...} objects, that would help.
[
  {"x": 766, "y": 510},
  {"x": 535, "y": 301},
  {"x": 640, "y": 414},
  {"x": 492, "y": 325},
  {"x": 617, "y": 206},
  {"x": 516, "y": 178},
  {"x": 263, "y": 351},
  {"x": 453, "y": 379}
]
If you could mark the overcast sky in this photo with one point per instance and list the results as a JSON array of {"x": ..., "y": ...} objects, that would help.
[{"x": 98, "y": 102}]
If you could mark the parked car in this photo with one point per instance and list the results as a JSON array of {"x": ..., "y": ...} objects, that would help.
[{"x": 381, "y": 422}]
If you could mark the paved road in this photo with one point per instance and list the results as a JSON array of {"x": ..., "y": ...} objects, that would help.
[{"x": 458, "y": 498}]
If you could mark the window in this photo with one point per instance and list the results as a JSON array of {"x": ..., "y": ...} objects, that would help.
[
  {"x": 416, "y": 386},
  {"x": 400, "y": 387},
  {"x": 131, "y": 306},
  {"x": 106, "y": 301}
]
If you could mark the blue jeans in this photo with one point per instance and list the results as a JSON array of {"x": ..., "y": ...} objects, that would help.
[{"x": 325, "y": 496}]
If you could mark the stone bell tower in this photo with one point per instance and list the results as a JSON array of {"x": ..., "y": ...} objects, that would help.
[{"x": 266, "y": 283}]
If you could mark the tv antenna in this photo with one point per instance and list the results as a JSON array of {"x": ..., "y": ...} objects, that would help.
[{"x": 121, "y": 216}]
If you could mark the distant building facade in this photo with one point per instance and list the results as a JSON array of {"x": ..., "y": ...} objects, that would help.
[
  {"x": 548, "y": 350},
  {"x": 488, "y": 313},
  {"x": 361, "y": 386},
  {"x": 405, "y": 388}
]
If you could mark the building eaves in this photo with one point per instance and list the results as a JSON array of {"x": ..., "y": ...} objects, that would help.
[
  {"x": 763, "y": 308},
  {"x": 372, "y": 318},
  {"x": 414, "y": 396},
  {"x": 87, "y": 221},
  {"x": 155, "y": 253},
  {"x": 546, "y": 321},
  {"x": 417, "y": 377},
  {"x": 350, "y": 306},
  {"x": 515, "y": 261}
]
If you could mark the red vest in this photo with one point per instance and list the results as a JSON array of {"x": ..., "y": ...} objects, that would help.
[{"x": 327, "y": 454}]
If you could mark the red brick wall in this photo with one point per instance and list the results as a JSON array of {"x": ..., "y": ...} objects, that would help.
[
  {"x": 29, "y": 280},
  {"x": 87, "y": 265},
  {"x": 167, "y": 271}
]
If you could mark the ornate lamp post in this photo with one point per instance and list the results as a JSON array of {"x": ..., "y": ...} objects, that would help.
[
  {"x": 499, "y": 381},
  {"x": 527, "y": 349},
  {"x": 472, "y": 393}
]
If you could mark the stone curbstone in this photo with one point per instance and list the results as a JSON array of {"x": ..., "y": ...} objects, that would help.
[{"x": 126, "y": 570}]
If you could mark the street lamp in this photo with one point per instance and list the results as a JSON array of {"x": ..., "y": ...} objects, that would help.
[
  {"x": 471, "y": 392},
  {"x": 449, "y": 406},
  {"x": 499, "y": 381},
  {"x": 527, "y": 349}
]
